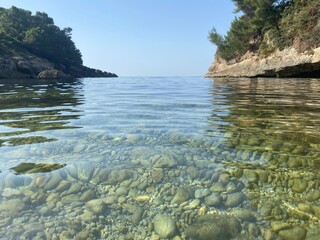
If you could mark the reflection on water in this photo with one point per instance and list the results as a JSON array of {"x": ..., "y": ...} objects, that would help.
[
  {"x": 30, "y": 106},
  {"x": 160, "y": 158},
  {"x": 29, "y": 168}
]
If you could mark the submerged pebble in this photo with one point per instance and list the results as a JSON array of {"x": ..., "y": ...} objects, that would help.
[
  {"x": 214, "y": 227},
  {"x": 254, "y": 181},
  {"x": 164, "y": 226}
]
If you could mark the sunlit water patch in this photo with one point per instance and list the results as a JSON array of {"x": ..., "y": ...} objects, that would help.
[{"x": 160, "y": 158}]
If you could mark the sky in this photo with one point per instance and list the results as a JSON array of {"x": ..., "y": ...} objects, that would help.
[{"x": 140, "y": 37}]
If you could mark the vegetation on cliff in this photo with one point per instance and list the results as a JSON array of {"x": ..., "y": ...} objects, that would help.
[
  {"x": 20, "y": 30},
  {"x": 267, "y": 25},
  {"x": 32, "y": 46}
]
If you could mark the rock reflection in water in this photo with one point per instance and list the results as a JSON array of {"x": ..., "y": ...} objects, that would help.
[{"x": 29, "y": 168}]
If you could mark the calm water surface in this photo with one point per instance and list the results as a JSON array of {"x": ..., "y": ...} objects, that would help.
[{"x": 160, "y": 158}]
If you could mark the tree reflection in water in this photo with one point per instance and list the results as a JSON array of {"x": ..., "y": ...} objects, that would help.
[{"x": 29, "y": 107}]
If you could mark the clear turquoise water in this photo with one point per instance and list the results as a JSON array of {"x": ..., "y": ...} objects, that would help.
[{"x": 131, "y": 144}]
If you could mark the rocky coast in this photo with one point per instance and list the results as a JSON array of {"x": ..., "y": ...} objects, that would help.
[
  {"x": 286, "y": 63},
  {"x": 27, "y": 65},
  {"x": 32, "y": 46}
]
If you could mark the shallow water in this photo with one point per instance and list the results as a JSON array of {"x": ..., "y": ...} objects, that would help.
[{"x": 150, "y": 158}]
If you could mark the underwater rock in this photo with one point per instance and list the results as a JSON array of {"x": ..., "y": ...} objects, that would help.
[
  {"x": 88, "y": 216},
  {"x": 266, "y": 208},
  {"x": 164, "y": 162},
  {"x": 122, "y": 199},
  {"x": 111, "y": 199},
  {"x": 313, "y": 234},
  {"x": 11, "y": 207},
  {"x": 113, "y": 176},
  {"x": 313, "y": 195},
  {"x": 193, "y": 204},
  {"x": 250, "y": 175},
  {"x": 278, "y": 226},
  {"x": 245, "y": 215},
  {"x": 293, "y": 233},
  {"x": 70, "y": 199},
  {"x": 87, "y": 195},
  {"x": 299, "y": 185},
  {"x": 137, "y": 215},
  {"x": 306, "y": 208},
  {"x": 217, "y": 187},
  {"x": 193, "y": 172},
  {"x": 133, "y": 138},
  {"x": 122, "y": 191},
  {"x": 83, "y": 235},
  {"x": 164, "y": 226},
  {"x": 63, "y": 186},
  {"x": 85, "y": 171},
  {"x": 231, "y": 187},
  {"x": 214, "y": 227},
  {"x": 182, "y": 195},
  {"x": 45, "y": 211},
  {"x": 201, "y": 193},
  {"x": 224, "y": 178},
  {"x": 74, "y": 188},
  {"x": 142, "y": 198},
  {"x": 142, "y": 153},
  {"x": 316, "y": 210},
  {"x": 14, "y": 181},
  {"x": 73, "y": 171},
  {"x": 97, "y": 206},
  {"x": 53, "y": 182},
  {"x": 235, "y": 199},
  {"x": 32, "y": 230},
  {"x": 52, "y": 199},
  {"x": 213, "y": 200},
  {"x": 10, "y": 192}
]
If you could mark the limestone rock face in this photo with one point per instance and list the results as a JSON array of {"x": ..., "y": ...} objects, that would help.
[{"x": 286, "y": 63}]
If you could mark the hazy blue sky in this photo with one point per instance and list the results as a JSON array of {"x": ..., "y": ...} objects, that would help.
[{"x": 140, "y": 37}]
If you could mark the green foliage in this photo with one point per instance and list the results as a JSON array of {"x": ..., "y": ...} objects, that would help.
[
  {"x": 52, "y": 43},
  {"x": 14, "y": 22},
  {"x": 300, "y": 25},
  {"x": 216, "y": 38},
  {"x": 267, "y": 25},
  {"x": 238, "y": 38},
  {"x": 38, "y": 34}
]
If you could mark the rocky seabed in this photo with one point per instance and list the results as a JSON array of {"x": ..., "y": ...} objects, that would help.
[{"x": 171, "y": 187}]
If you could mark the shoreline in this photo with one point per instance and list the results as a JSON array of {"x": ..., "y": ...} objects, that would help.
[{"x": 286, "y": 63}]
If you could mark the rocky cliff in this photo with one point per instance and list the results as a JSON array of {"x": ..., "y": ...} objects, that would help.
[
  {"x": 28, "y": 65},
  {"x": 286, "y": 63},
  {"x": 32, "y": 46}
]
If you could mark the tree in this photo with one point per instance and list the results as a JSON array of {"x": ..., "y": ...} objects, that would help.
[
  {"x": 216, "y": 38},
  {"x": 38, "y": 34},
  {"x": 52, "y": 43},
  {"x": 14, "y": 22},
  {"x": 247, "y": 31}
]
